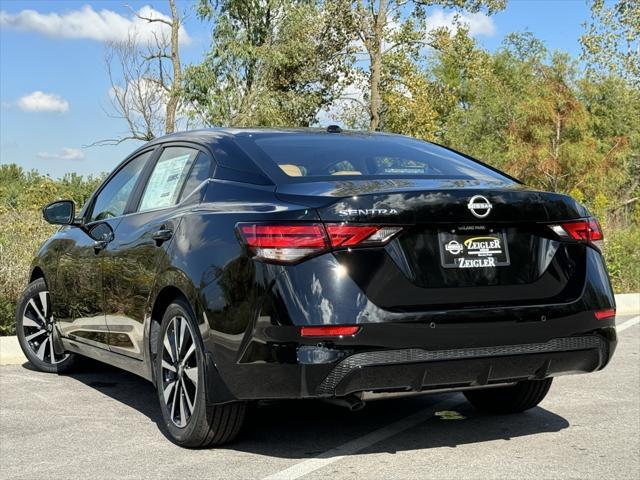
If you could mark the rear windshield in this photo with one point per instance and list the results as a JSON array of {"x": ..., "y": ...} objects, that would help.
[{"x": 318, "y": 155}]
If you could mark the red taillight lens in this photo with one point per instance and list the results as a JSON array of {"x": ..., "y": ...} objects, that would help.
[
  {"x": 289, "y": 243},
  {"x": 328, "y": 331},
  {"x": 582, "y": 230},
  {"x": 349, "y": 235},
  {"x": 290, "y": 236},
  {"x": 284, "y": 243},
  {"x": 606, "y": 313},
  {"x": 343, "y": 235},
  {"x": 588, "y": 230}
]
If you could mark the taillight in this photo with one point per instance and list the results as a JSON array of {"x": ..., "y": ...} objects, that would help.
[
  {"x": 350, "y": 235},
  {"x": 328, "y": 331},
  {"x": 290, "y": 243},
  {"x": 284, "y": 243},
  {"x": 588, "y": 231}
]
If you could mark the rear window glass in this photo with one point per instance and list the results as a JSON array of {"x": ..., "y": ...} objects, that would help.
[{"x": 318, "y": 155}]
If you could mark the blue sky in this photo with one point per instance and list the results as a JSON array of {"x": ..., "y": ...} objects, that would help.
[{"x": 54, "y": 87}]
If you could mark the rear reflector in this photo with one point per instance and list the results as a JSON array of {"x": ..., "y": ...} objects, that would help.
[
  {"x": 289, "y": 243},
  {"x": 607, "y": 313},
  {"x": 328, "y": 331}
]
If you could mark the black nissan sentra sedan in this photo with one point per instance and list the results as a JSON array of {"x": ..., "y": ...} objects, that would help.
[{"x": 229, "y": 266}]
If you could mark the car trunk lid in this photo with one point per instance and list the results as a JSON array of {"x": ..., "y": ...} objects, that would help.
[{"x": 464, "y": 242}]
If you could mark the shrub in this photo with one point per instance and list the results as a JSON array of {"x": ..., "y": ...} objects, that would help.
[
  {"x": 22, "y": 229},
  {"x": 21, "y": 234},
  {"x": 622, "y": 251}
]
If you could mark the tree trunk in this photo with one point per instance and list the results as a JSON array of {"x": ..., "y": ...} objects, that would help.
[
  {"x": 556, "y": 151},
  {"x": 172, "y": 103},
  {"x": 375, "y": 54}
]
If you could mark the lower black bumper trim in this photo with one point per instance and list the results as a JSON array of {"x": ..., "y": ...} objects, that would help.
[{"x": 414, "y": 355}]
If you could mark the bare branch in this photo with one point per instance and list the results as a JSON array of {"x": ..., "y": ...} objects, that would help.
[
  {"x": 355, "y": 100},
  {"x": 145, "y": 81},
  {"x": 149, "y": 19},
  {"x": 114, "y": 141}
]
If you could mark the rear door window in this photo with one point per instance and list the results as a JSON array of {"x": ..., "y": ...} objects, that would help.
[{"x": 167, "y": 178}]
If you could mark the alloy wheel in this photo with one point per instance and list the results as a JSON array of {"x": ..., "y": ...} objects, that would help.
[
  {"x": 179, "y": 371},
  {"x": 38, "y": 327}
]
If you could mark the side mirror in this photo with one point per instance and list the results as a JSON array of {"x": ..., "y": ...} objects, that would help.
[
  {"x": 61, "y": 212},
  {"x": 101, "y": 232}
]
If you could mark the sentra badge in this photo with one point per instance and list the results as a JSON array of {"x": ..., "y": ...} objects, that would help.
[{"x": 368, "y": 211}]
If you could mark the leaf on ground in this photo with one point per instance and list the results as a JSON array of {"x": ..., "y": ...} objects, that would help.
[{"x": 449, "y": 415}]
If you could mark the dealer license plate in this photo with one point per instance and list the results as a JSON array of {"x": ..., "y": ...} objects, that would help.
[{"x": 473, "y": 247}]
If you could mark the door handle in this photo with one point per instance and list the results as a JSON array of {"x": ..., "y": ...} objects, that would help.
[{"x": 162, "y": 236}]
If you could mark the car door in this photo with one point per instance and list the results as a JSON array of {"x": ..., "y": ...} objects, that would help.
[
  {"x": 77, "y": 293},
  {"x": 141, "y": 241}
]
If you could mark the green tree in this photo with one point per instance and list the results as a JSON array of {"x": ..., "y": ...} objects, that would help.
[
  {"x": 384, "y": 27},
  {"x": 273, "y": 62},
  {"x": 614, "y": 123},
  {"x": 611, "y": 43},
  {"x": 529, "y": 112}
]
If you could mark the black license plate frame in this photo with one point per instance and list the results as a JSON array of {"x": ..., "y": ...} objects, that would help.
[{"x": 472, "y": 249}]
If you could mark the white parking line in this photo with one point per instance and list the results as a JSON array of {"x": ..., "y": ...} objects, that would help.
[
  {"x": 354, "y": 446},
  {"x": 629, "y": 323}
]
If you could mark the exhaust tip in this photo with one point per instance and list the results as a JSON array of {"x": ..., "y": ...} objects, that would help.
[{"x": 352, "y": 402}]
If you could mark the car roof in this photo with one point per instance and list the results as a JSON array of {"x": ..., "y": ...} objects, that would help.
[
  {"x": 207, "y": 135},
  {"x": 211, "y": 136}
]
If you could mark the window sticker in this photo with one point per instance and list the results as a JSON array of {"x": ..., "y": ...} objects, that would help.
[{"x": 163, "y": 185}]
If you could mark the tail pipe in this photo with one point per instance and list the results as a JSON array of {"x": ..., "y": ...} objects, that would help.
[{"x": 352, "y": 402}]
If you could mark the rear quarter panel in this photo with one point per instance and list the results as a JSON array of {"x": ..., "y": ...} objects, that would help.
[{"x": 208, "y": 263}]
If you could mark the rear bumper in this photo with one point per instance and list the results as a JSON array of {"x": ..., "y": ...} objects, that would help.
[
  {"x": 414, "y": 369},
  {"x": 417, "y": 370}
]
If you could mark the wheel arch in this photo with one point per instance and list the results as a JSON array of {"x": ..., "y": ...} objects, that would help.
[
  {"x": 36, "y": 273},
  {"x": 172, "y": 285},
  {"x": 165, "y": 297}
]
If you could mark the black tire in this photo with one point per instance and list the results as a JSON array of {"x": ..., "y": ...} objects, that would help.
[
  {"x": 197, "y": 425},
  {"x": 514, "y": 399},
  {"x": 34, "y": 328}
]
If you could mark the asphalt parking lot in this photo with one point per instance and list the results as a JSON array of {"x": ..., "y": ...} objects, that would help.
[{"x": 104, "y": 423}]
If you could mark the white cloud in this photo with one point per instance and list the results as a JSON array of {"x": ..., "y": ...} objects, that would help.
[
  {"x": 104, "y": 25},
  {"x": 43, "y": 102},
  {"x": 64, "y": 154},
  {"x": 478, "y": 23}
]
